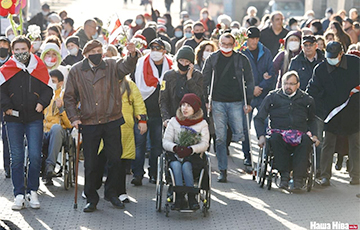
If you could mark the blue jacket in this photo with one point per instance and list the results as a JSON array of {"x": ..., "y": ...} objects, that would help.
[{"x": 264, "y": 64}]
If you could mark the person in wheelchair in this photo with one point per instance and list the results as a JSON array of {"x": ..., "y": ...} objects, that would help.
[
  {"x": 55, "y": 124},
  {"x": 292, "y": 115},
  {"x": 186, "y": 138}
]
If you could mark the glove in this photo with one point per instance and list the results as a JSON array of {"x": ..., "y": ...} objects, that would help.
[{"x": 182, "y": 151}]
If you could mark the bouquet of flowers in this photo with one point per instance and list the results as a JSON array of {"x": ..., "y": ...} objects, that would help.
[
  {"x": 124, "y": 36},
  {"x": 139, "y": 41},
  {"x": 240, "y": 38},
  {"x": 34, "y": 32},
  {"x": 188, "y": 137}
]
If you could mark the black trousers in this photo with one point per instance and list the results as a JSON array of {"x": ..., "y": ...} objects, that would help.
[
  {"x": 282, "y": 151},
  {"x": 111, "y": 135}
]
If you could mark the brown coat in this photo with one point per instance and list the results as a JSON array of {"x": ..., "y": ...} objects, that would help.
[{"x": 98, "y": 92}]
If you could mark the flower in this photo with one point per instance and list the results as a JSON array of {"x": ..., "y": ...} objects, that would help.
[
  {"x": 240, "y": 38},
  {"x": 123, "y": 36},
  {"x": 188, "y": 136},
  {"x": 7, "y": 7},
  {"x": 34, "y": 32},
  {"x": 281, "y": 41},
  {"x": 282, "y": 44},
  {"x": 139, "y": 41}
]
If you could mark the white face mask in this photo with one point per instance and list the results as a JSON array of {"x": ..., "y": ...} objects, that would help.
[
  {"x": 293, "y": 45},
  {"x": 294, "y": 28},
  {"x": 52, "y": 85},
  {"x": 156, "y": 55},
  {"x": 226, "y": 50},
  {"x": 333, "y": 61},
  {"x": 73, "y": 51},
  {"x": 49, "y": 62},
  {"x": 11, "y": 37},
  {"x": 328, "y": 15},
  {"x": 36, "y": 45},
  {"x": 205, "y": 16},
  {"x": 206, "y": 54}
]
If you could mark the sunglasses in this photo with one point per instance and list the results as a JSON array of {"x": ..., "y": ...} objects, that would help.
[{"x": 156, "y": 48}]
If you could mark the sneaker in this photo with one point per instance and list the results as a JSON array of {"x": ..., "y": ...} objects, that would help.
[
  {"x": 33, "y": 200},
  {"x": 18, "y": 203},
  {"x": 124, "y": 198},
  {"x": 137, "y": 181},
  {"x": 83, "y": 195}
]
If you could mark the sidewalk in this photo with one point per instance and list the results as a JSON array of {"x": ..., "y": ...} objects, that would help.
[{"x": 238, "y": 204}]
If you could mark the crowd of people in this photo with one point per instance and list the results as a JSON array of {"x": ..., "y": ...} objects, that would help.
[{"x": 138, "y": 94}]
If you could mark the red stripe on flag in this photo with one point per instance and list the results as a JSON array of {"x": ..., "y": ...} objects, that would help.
[{"x": 117, "y": 25}]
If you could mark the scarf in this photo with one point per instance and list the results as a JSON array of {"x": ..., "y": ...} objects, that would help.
[
  {"x": 147, "y": 76},
  {"x": 191, "y": 120},
  {"x": 36, "y": 69},
  {"x": 291, "y": 136}
]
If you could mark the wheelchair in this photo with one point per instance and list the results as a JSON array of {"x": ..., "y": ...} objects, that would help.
[
  {"x": 65, "y": 165},
  {"x": 266, "y": 168},
  {"x": 202, "y": 187}
]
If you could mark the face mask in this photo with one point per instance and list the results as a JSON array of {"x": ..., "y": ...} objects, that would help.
[
  {"x": 205, "y": 16},
  {"x": 313, "y": 29},
  {"x": 226, "y": 50},
  {"x": 22, "y": 57},
  {"x": 328, "y": 15},
  {"x": 199, "y": 35},
  {"x": 178, "y": 34},
  {"x": 188, "y": 35},
  {"x": 293, "y": 45},
  {"x": 139, "y": 21},
  {"x": 333, "y": 61},
  {"x": 11, "y": 37},
  {"x": 50, "y": 62},
  {"x": 156, "y": 55},
  {"x": 294, "y": 28},
  {"x": 95, "y": 59},
  {"x": 73, "y": 51},
  {"x": 186, "y": 18},
  {"x": 95, "y": 36},
  {"x": 183, "y": 67},
  {"x": 206, "y": 54},
  {"x": 4, "y": 52},
  {"x": 36, "y": 45},
  {"x": 44, "y": 13},
  {"x": 52, "y": 85}
]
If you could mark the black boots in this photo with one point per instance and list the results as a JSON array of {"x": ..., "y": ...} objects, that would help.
[
  {"x": 284, "y": 183},
  {"x": 193, "y": 204},
  {"x": 222, "y": 177},
  {"x": 179, "y": 201}
]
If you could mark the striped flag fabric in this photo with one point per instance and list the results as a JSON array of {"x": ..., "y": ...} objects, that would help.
[{"x": 116, "y": 29}]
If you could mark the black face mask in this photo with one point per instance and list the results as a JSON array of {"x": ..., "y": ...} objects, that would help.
[
  {"x": 199, "y": 35},
  {"x": 95, "y": 59},
  {"x": 183, "y": 67},
  {"x": 4, "y": 52}
]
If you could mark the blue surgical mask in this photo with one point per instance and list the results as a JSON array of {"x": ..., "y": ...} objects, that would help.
[
  {"x": 95, "y": 36},
  {"x": 333, "y": 61},
  {"x": 188, "y": 35},
  {"x": 178, "y": 34},
  {"x": 139, "y": 21}
]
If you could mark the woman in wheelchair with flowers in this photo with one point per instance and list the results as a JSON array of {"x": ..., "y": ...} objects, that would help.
[{"x": 186, "y": 139}]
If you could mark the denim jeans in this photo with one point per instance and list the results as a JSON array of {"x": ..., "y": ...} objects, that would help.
[
  {"x": 55, "y": 139},
  {"x": 154, "y": 125},
  {"x": 182, "y": 171},
  {"x": 225, "y": 113},
  {"x": 34, "y": 134}
]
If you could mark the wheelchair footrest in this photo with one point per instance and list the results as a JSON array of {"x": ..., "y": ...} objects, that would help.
[{"x": 186, "y": 189}]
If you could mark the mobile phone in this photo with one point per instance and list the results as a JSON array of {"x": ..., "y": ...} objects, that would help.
[{"x": 15, "y": 113}]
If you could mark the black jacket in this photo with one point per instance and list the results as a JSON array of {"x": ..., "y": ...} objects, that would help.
[
  {"x": 285, "y": 113},
  {"x": 305, "y": 68},
  {"x": 331, "y": 87},
  {"x": 176, "y": 85},
  {"x": 71, "y": 59},
  {"x": 242, "y": 71},
  {"x": 22, "y": 92}
]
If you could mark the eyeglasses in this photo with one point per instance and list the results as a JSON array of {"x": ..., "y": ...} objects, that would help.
[
  {"x": 309, "y": 45},
  {"x": 290, "y": 83},
  {"x": 156, "y": 48}
]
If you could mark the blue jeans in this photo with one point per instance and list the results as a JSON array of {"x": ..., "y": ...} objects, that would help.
[
  {"x": 154, "y": 125},
  {"x": 225, "y": 113},
  {"x": 55, "y": 139},
  {"x": 182, "y": 171},
  {"x": 34, "y": 134}
]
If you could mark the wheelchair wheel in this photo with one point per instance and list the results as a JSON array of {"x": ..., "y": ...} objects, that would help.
[
  {"x": 270, "y": 174},
  {"x": 204, "y": 209},
  {"x": 260, "y": 168},
  {"x": 159, "y": 182},
  {"x": 66, "y": 180},
  {"x": 311, "y": 172},
  {"x": 167, "y": 210}
]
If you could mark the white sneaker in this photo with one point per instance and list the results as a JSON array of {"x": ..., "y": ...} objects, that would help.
[
  {"x": 33, "y": 200},
  {"x": 124, "y": 198},
  {"x": 18, "y": 203},
  {"x": 83, "y": 195}
]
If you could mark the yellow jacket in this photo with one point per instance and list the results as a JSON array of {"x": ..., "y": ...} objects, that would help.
[
  {"x": 130, "y": 110},
  {"x": 52, "y": 115}
]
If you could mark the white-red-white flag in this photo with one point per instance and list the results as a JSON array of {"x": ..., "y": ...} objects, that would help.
[{"x": 116, "y": 29}]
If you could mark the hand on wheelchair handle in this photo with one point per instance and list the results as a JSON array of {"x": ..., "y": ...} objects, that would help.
[
  {"x": 182, "y": 151},
  {"x": 261, "y": 141}
]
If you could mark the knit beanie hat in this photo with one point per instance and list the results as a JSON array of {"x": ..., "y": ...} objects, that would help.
[
  {"x": 72, "y": 39},
  {"x": 91, "y": 45},
  {"x": 193, "y": 100},
  {"x": 149, "y": 33},
  {"x": 186, "y": 52}
]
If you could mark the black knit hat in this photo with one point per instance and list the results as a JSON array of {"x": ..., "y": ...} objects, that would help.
[
  {"x": 72, "y": 39},
  {"x": 186, "y": 52},
  {"x": 253, "y": 32},
  {"x": 149, "y": 33}
]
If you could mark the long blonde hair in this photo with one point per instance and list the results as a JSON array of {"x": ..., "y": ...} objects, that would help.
[{"x": 125, "y": 87}]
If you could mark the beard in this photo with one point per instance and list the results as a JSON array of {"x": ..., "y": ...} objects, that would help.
[{"x": 288, "y": 91}]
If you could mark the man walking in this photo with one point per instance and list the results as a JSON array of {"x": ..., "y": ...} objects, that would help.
[
  {"x": 94, "y": 83},
  {"x": 225, "y": 72}
]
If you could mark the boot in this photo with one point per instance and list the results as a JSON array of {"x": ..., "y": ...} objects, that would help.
[
  {"x": 179, "y": 197},
  {"x": 193, "y": 204},
  {"x": 285, "y": 177},
  {"x": 222, "y": 177}
]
